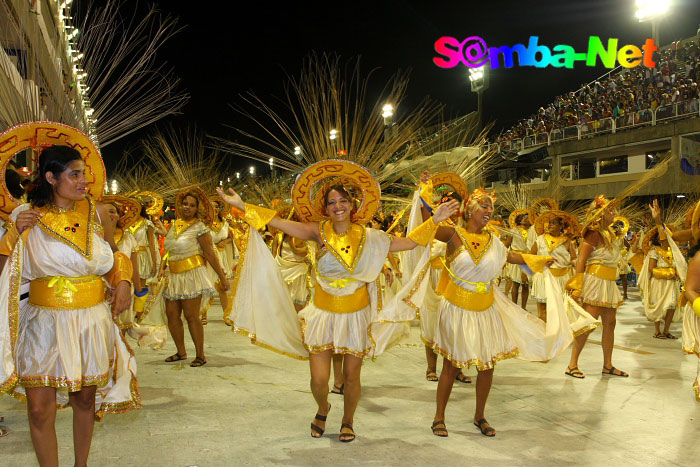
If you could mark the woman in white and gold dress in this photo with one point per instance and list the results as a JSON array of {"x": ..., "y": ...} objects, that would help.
[
  {"x": 558, "y": 245},
  {"x": 348, "y": 260},
  {"x": 520, "y": 229},
  {"x": 658, "y": 282},
  {"x": 187, "y": 245},
  {"x": 594, "y": 282},
  {"x": 62, "y": 347},
  {"x": 477, "y": 325},
  {"x": 691, "y": 309},
  {"x": 143, "y": 231},
  {"x": 221, "y": 236}
]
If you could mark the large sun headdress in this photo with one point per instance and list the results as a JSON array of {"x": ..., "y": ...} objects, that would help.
[
  {"x": 571, "y": 227},
  {"x": 36, "y": 136},
  {"x": 624, "y": 225},
  {"x": 153, "y": 201},
  {"x": 129, "y": 209},
  {"x": 205, "y": 210},
  {"x": 309, "y": 198}
]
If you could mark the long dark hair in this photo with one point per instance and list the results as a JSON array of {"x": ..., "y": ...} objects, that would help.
[{"x": 54, "y": 159}]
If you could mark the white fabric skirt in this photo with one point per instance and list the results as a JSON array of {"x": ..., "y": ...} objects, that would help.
[
  {"x": 70, "y": 349},
  {"x": 472, "y": 338},
  {"x": 691, "y": 331},
  {"x": 145, "y": 264},
  {"x": 343, "y": 333},
  {"x": 514, "y": 273},
  {"x": 537, "y": 290},
  {"x": 190, "y": 284},
  {"x": 662, "y": 296},
  {"x": 600, "y": 292}
]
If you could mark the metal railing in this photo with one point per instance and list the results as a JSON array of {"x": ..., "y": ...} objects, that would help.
[{"x": 646, "y": 117}]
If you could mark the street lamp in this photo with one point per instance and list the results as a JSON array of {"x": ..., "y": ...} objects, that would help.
[
  {"x": 387, "y": 112},
  {"x": 115, "y": 187},
  {"x": 297, "y": 153},
  {"x": 479, "y": 83},
  {"x": 653, "y": 11},
  {"x": 238, "y": 175},
  {"x": 272, "y": 165},
  {"x": 251, "y": 170},
  {"x": 333, "y": 134}
]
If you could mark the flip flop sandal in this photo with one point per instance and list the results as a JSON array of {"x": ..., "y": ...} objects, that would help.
[
  {"x": 431, "y": 375},
  {"x": 197, "y": 362},
  {"x": 176, "y": 358},
  {"x": 316, "y": 428},
  {"x": 3, "y": 432},
  {"x": 338, "y": 390},
  {"x": 438, "y": 430},
  {"x": 612, "y": 372},
  {"x": 574, "y": 373},
  {"x": 668, "y": 335},
  {"x": 346, "y": 437},
  {"x": 462, "y": 378},
  {"x": 489, "y": 431},
  {"x": 659, "y": 336}
]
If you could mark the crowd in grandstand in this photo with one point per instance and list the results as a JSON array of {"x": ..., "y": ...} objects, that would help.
[{"x": 629, "y": 97}]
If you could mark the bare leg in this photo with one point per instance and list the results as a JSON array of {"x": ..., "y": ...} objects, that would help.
[
  {"x": 668, "y": 319},
  {"x": 509, "y": 285},
  {"x": 514, "y": 292},
  {"x": 352, "y": 368},
  {"x": 580, "y": 341},
  {"x": 83, "y": 404},
  {"x": 431, "y": 358},
  {"x": 526, "y": 294},
  {"x": 223, "y": 298},
  {"x": 41, "y": 409},
  {"x": 607, "y": 316},
  {"x": 484, "y": 379},
  {"x": 172, "y": 311},
  {"x": 444, "y": 389},
  {"x": 190, "y": 309},
  {"x": 623, "y": 279},
  {"x": 320, "y": 366},
  {"x": 338, "y": 378},
  {"x": 542, "y": 311}
]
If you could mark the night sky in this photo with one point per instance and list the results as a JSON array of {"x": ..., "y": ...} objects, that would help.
[{"x": 229, "y": 48}]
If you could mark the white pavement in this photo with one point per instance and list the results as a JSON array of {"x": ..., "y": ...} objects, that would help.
[{"x": 250, "y": 406}]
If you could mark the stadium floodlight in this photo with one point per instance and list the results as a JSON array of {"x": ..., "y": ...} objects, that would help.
[
  {"x": 333, "y": 134},
  {"x": 651, "y": 9}
]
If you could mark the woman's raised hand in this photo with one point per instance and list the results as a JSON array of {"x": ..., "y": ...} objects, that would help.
[
  {"x": 655, "y": 211},
  {"x": 445, "y": 211},
  {"x": 234, "y": 199}
]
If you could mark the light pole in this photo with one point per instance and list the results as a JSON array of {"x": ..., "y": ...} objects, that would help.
[
  {"x": 479, "y": 83},
  {"x": 272, "y": 165},
  {"x": 652, "y": 11},
  {"x": 387, "y": 113},
  {"x": 333, "y": 135},
  {"x": 238, "y": 175},
  {"x": 115, "y": 187},
  {"x": 297, "y": 153},
  {"x": 251, "y": 170}
]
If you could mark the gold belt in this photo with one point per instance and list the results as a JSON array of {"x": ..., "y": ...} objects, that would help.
[
  {"x": 436, "y": 263},
  {"x": 558, "y": 272},
  {"x": 139, "y": 249},
  {"x": 467, "y": 299},
  {"x": 356, "y": 301},
  {"x": 184, "y": 265},
  {"x": 67, "y": 292},
  {"x": 664, "y": 273},
  {"x": 602, "y": 272}
]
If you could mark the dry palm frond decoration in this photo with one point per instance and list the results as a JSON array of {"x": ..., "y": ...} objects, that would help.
[
  {"x": 179, "y": 158},
  {"x": 112, "y": 84},
  {"x": 326, "y": 97}
]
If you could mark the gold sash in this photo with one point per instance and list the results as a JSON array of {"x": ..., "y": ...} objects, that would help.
[
  {"x": 466, "y": 299},
  {"x": 664, "y": 273},
  {"x": 558, "y": 272},
  {"x": 187, "y": 264},
  {"x": 67, "y": 292},
  {"x": 356, "y": 301},
  {"x": 602, "y": 272}
]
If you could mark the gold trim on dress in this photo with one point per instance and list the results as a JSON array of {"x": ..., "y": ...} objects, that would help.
[
  {"x": 68, "y": 293},
  {"x": 347, "y": 247},
  {"x": 185, "y": 264},
  {"x": 257, "y": 216},
  {"x": 476, "y": 244},
  {"x": 351, "y": 303},
  {"x": 602, "y": 272},
  {"x": 664, "y": 273},
  {"x": 559, "y": 272},
  {"x": 70, "y": 226},
  {"x": 424, "y": 233},
  {"x": 554, "y": 242},
  {"x": 467, "y": 299},
  {"x": 181, "y": 225}
]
